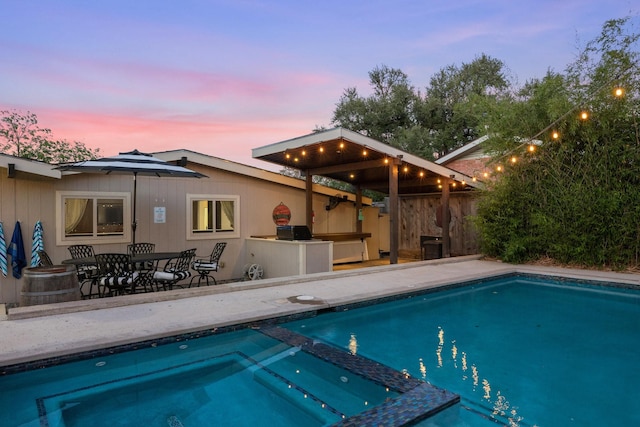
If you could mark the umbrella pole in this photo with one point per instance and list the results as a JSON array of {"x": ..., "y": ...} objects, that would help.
[{"x": 134, "y": 223}]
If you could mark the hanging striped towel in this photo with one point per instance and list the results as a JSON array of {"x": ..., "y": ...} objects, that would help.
[
  {"x": 37, "y": 244},
  {"x": 3, "y": 253}
]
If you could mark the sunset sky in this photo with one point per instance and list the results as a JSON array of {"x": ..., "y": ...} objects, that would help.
[{"x": 224, "y": 76}]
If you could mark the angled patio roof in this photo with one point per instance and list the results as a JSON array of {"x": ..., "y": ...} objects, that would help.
[
  {"x": 354, "y": 158},
  {"x": 33, "y": 169}
]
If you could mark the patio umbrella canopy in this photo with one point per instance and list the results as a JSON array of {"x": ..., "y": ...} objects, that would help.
[{"x": 133, "y": 163}]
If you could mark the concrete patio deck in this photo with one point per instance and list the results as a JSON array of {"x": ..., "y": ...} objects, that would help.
[{"x": 39, "y": 332}]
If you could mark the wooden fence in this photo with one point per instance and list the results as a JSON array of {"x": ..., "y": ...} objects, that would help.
[{"x": 419, "y": 216}]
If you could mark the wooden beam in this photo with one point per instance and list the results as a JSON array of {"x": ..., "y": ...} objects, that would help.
[{"x": 368, "y": 164}]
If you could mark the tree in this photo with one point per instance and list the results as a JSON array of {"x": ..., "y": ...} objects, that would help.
[
  {"x": 21, "y": 136},
  {"x": 575, "y": 199},
  {"x": 387, "y": 114},
  {"x": 457, "y": 100},
  {"x": 450, "y": 113}
]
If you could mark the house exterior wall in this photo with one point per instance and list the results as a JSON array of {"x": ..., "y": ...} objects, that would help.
[
  {"x": 470, "y": 166},
  {"x": 29, "y": 199}
]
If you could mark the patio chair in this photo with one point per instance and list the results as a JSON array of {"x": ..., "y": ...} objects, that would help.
[
  {"x": 116, "y": 274},
  {"x": 45, "y": 260},
  {"x": 205, "y": 266},
  {"x": 174, "y": 270},
  {"x": 142, "y": 248},
  {"x": 87, "y": 273}
]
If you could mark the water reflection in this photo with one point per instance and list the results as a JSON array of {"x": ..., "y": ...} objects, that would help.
[
  {"x": 499, "y": 404},
  {"x": 353, "y": 344},
  {"x": 440, "y": 346},
  {"x": 423, "y": 370}
]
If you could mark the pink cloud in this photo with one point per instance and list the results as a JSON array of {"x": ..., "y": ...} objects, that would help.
[{"x": 227, "y": 139}]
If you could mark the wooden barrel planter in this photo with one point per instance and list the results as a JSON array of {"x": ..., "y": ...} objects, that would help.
[{"x": 47, "y": 285}]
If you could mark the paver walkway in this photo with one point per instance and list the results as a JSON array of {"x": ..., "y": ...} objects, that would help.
[{"x": 34, "y": 333}]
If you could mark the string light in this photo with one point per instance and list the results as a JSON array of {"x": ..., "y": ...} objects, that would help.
[
  {"x": 618, "y": 92},
  {"x": 514, "y": 159},
  {"x": 364, "y": 153},
  {"x": 321, "y": 149}
]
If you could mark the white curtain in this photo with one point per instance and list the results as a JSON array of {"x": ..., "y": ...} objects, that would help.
[
  {"x": 73, "y": 213},
  {"x": 228, "y": 209}
]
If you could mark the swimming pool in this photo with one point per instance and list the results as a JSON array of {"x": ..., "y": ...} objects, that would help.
[
  {"x": 494, "y": 343},
  {"x": 519, "y": 350},
  {"x": 266, "y": 377}
]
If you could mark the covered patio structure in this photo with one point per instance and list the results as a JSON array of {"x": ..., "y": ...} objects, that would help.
[{"x": 365, "y": 163}]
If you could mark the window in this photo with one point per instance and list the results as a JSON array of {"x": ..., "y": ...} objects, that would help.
[
  {"x": 212, "y": 216},
  {"x": 91, "y": 218}
]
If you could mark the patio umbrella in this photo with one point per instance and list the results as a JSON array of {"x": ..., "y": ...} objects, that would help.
[
  {"x": 134, "y": 163},
  {"x": 37, "y": 244},
  {"x": 3, "y": 253}
]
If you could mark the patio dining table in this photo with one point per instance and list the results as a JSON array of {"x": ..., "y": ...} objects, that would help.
[
  {"x": 142, "y": 261},
  {"x": 136, "y": 259}
]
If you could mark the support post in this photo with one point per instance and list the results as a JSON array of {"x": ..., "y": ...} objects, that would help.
[
  {"x": 309, "y": 200},
  {"x": 446, "y": 219},
  {"x": 394, "y": 223},
  {"x": 358, "y": 209}
]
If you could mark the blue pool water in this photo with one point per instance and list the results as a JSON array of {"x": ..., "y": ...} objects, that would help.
[
  {"x": 242, "y": 378},
  {"x": 518, "y": 351}
]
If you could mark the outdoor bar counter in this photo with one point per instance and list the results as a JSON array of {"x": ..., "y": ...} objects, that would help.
[
  {"x": 347, "y": 247},
  {"x": 281, "y": 258}
]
